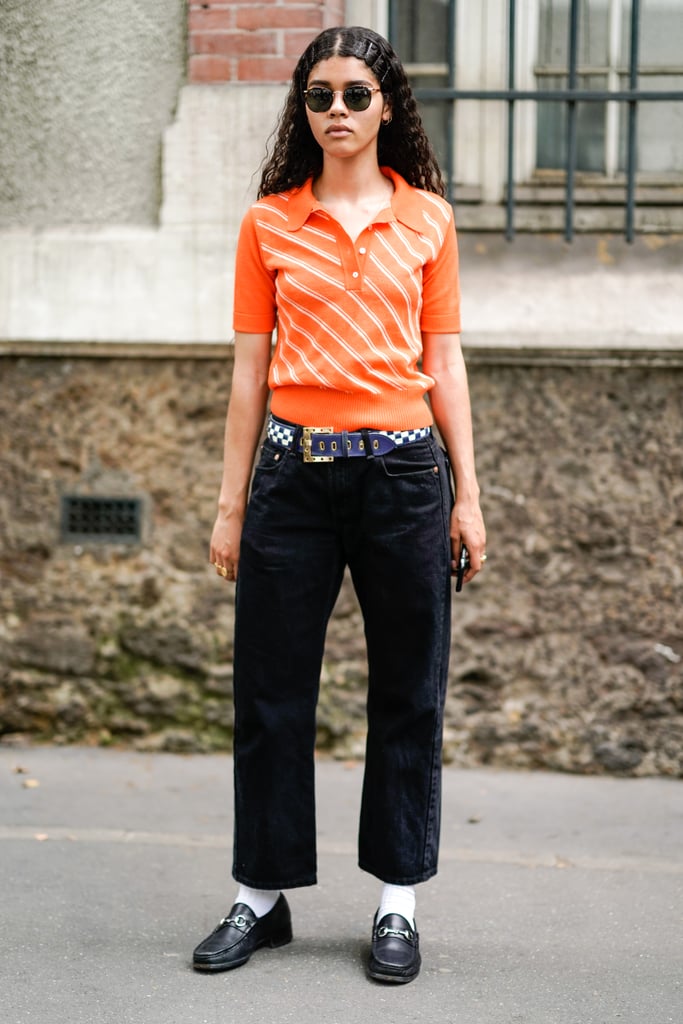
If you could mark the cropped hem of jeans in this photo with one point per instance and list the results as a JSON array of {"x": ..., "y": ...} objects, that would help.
[
  {"x": 423, "y": 876},
  {"x": 258, "y": 883}
]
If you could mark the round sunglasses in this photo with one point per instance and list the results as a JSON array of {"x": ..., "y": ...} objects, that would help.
[{"x": 356, "y": 97}]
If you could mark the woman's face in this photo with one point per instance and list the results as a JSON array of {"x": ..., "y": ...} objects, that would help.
[{"x": 340, "y": 131}]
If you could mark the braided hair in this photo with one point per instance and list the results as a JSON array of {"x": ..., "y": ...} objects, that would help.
[{"x": 403, "y": 146}]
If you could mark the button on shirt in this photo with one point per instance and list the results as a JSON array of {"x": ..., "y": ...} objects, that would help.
[{"x": 349, "y": 315}]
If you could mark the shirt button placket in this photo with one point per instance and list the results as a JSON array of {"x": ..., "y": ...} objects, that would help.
[
  {"x": 350, "y": 264},
  {"x": 360, "y": 259}
]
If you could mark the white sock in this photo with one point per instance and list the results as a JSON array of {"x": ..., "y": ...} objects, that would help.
[
  {"x": 261, "y": 901},
  {"x": 398, "y": 899}
]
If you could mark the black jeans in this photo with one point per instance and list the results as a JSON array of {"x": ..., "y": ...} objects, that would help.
[{"x": 387, "y": 518}]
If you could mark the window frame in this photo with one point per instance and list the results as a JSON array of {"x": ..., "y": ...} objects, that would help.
[{"x": 491, "y": 146}]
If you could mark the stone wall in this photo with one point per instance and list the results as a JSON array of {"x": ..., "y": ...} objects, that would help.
[{"x": 567, "y": 651}]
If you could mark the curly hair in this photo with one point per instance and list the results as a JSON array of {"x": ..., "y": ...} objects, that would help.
[{"x": 403, "y": 146}]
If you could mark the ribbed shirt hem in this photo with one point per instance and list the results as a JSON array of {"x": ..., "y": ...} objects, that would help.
[{"x": 320, "y": 407}]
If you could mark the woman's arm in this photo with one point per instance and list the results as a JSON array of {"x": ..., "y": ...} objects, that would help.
[
  {"x": 243, "y": 426},
  {"x": 442, "y": 360}
]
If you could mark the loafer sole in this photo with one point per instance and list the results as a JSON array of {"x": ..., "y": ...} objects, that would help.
[{"x": 213, "y": 966}]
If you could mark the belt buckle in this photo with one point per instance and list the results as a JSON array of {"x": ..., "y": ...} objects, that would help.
[{"x": 308, "y": 444}]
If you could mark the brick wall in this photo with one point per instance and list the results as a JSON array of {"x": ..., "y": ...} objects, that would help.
[{"x": 254, "y": 42}]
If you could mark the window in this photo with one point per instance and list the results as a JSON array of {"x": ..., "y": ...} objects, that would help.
[
  {"x": 604, "y": 46},
  {"x": 423, "y": 38},
  {"x": 496, "y": 81}
]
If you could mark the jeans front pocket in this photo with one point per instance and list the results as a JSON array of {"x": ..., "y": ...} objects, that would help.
[
  {"x": 420, "y": 457},
  {"x": 271, "y": 459}
]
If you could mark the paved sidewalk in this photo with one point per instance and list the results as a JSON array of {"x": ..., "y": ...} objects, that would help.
[{"x": 559, "y": 900}]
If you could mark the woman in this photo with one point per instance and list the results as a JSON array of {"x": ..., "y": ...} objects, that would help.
[{"x": 351, "y": 250}]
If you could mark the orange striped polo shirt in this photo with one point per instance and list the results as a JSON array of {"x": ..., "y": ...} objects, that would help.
[{"x": 349, "y": 315}]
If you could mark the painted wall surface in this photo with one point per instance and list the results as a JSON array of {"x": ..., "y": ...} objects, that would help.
[
  {"x": 86, "y": 91},
  {"x": 122, "y": 191},
  {"x": 172, "y": 282}
]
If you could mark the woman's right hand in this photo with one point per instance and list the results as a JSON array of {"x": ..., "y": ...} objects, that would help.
[
  {"x": 225, "y": 545},
  {"x": 243, "y": 427}
]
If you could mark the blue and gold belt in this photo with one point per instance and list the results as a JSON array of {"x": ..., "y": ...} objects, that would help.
[{"x": 324, "y": 444}]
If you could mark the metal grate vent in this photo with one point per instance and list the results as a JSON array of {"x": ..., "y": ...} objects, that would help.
[{"x": 103, "y": 520}]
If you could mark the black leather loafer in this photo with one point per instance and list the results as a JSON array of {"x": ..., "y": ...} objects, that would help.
[
  {"x": 395, "y": 952},
  {"x": 236, "y": 937}
]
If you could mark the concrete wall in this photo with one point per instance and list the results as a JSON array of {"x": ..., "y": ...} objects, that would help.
[
  {"x": 171, "y": 281},
  {"x": 86, "y": 91},
  {"x": 121, "y": 193},
  {"x": 167, "y": 283}
]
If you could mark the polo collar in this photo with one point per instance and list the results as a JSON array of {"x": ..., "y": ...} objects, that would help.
[{"x": 405, "y": 205}]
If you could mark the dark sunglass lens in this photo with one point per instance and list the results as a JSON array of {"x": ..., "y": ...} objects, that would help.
[
  {"x": 319, "y": 100},
  {"x": 357, "y": 97}
]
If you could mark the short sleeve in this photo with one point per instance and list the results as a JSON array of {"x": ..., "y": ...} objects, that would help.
[
  {"x": 441, "y": 287},
  {"x": 255, "y": 309}
]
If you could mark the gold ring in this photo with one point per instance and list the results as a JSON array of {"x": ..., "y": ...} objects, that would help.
[
  {"x": 483, "y": 558},
  {"x": 222, "y": 570}
]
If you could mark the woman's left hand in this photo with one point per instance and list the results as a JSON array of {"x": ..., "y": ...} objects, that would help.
[{"x": 467, "y": 527}]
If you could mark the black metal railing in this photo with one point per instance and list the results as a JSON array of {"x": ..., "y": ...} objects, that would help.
[{"x": 571, "y": 96}]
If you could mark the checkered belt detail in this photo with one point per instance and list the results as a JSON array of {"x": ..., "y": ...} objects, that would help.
[{"x": 318, "y": 443}]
